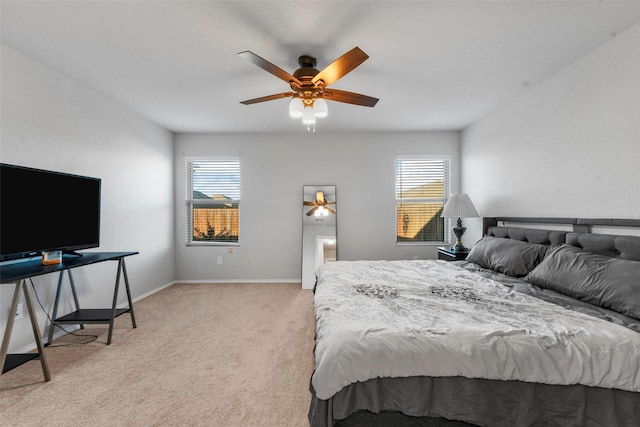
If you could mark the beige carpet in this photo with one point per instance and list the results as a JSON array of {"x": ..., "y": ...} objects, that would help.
[{"x": 203, "y": 354}]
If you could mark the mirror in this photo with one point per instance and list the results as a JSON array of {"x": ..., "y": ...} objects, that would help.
[{"x": 318, "y": 230}]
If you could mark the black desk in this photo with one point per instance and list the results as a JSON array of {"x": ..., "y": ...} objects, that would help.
[{"x": 18, "y": 274}]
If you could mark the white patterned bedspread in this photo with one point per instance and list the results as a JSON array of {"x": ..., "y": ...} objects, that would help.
[{"x": 432, "y": 318}]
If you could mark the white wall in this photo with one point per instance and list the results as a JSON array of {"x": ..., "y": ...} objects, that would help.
[
  {"x": 570, "y": 147},
  {"x": 51, "y": 122},
  {"x": 274, "y": 169}
]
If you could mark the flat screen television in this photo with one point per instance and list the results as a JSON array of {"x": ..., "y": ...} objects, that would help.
[{"x": 44, "y": 210}]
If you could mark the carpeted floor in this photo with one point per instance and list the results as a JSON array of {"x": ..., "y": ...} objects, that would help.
[{"x": 202, "y": 355}]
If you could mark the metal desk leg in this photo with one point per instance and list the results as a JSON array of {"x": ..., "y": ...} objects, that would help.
[
  {"x": 9, "y": 329},
  {"x": 34, "y": 325},
  {"x": 122, "y": 270},
  {"x": 126, "y": 284},
  {"x": 55, "y": 308},
  {"x": 74, "y": 293},
  {"x": 36, "y": 331},
  {"x": 115, "y": 301},
  {"x": 54, "y": 315}
]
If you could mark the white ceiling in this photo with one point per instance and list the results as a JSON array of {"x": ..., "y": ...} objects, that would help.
[{"x": 434, "y": 65}]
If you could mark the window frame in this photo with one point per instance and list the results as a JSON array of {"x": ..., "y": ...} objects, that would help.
[
  {"x": 190, "y": 202},
  {"x": 447, "y": 189}
]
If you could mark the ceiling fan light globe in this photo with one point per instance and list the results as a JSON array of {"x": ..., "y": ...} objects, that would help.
[
  {"x": 308, "y": 118},
  {"x": 320, "y": 108},
  {"x": 296, "y": 108}
]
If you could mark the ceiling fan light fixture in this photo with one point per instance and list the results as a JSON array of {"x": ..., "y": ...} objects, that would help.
[
  {"x": 320, "y": 108},
  {"x": 296, "y": 108},
  {"x": 309, "y": 86},
  {"x": 308, "y": 118}
]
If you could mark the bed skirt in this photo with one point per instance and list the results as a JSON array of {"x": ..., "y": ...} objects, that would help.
[{"x": 479, "y": 402}]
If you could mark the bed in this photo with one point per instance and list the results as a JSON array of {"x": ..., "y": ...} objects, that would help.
[{"x": 536, "y": 328}]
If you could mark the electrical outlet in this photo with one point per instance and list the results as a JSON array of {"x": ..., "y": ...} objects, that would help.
[
  {"x": 219, "y": 260},
  {"x": 19, "y": 312}
]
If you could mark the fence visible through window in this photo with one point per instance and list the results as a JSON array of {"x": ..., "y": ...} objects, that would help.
[
  {"x": 422, "y": 186},
  {"x": 213, "y": 208}
]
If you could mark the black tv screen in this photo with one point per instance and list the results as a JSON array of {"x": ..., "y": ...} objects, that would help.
[{"x": 45, "y": 211}]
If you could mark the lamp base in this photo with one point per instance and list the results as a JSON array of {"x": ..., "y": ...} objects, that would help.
[
  {"x": 457, "y": 249},
  {"x": 459, "y": 232}
]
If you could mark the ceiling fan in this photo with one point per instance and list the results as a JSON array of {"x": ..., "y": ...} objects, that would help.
[
  {"x": 320, "y": 207},
  {"x": 310, "y": 84}
]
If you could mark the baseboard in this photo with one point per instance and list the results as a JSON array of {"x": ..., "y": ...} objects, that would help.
[
  {"x": 149, "y": 293},
  {"x": 240, "y": 281}
]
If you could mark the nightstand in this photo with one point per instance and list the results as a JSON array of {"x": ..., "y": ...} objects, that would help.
[{"x": 446, "y": 254}]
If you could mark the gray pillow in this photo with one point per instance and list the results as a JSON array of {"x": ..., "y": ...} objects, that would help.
[
  {"x": 611, "y": 283},
  {"x": 512, "y": 257}
]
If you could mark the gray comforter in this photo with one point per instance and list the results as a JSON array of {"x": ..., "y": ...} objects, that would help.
[{"x": 401, "y": 319}]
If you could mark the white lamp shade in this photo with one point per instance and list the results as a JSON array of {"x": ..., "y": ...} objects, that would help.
[
  {"x": 320, "y": 108},
  {"x": 459, "y": 206},
  {"x": 296, "y": 108},
  {"x": 308, "y": 118}
]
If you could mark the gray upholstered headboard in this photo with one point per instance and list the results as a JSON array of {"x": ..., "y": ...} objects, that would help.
[
  {"x": 579, "y": 225},
  {"x": 625, "y": 247},
  {"x": 531, "y": 235}
]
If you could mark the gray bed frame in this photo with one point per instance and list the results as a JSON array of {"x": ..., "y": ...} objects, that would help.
[{"x": 458, "y": 401}]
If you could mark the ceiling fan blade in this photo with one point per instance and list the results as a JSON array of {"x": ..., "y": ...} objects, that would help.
[
  {"x": 331, "y": 210},
  {"x": 349, "y": 97},
  {"x": 312, "y": 211},
  {"x": 309, "y": 203},
  {"x": 340, "y": 67},
  {"x": 331, "y": 203},
  {"x": 269, "y": 67},
  {"x": 267, "y": 98}
]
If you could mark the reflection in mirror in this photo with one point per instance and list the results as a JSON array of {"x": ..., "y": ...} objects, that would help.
[{"x": 318, "y": 230}]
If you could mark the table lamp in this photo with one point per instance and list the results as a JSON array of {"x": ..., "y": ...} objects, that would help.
[{"x": 459, "y": 206}]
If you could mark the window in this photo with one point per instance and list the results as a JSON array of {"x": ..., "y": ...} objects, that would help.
[
  {"x": 213, "y": 201},
  {"x": 422, "y": 188}
]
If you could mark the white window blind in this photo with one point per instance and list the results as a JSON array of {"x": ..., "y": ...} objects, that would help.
[
  {"x": 422, "y": 188},
  {"x": 213, "y": 201}
]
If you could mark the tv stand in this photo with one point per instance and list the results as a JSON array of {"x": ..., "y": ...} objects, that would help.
[{"x": 18, "y": 274}]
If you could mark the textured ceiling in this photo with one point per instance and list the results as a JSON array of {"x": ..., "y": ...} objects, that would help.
[{"x": 434, "y": 65}]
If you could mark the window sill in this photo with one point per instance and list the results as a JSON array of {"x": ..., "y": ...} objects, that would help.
[
  {"x": 422, "y": 243},
  {"x": 219, "y": 244}
]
